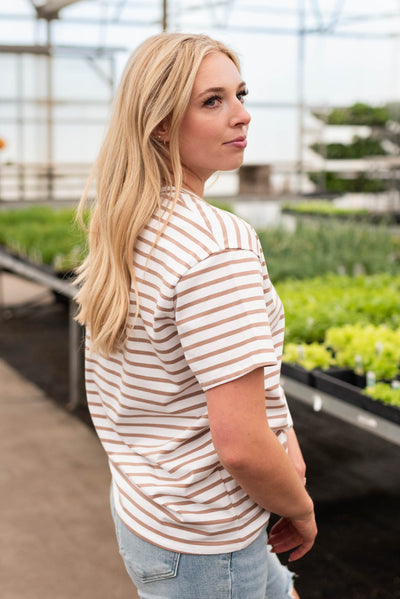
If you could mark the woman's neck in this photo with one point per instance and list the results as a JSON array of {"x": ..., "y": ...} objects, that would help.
[{"x": 194, "y": 186}]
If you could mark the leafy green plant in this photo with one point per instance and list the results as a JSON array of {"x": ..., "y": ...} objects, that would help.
[
  {"x": 358, "y": 148},
  {"x": 44, "y": 235},
  {"x": 323, "y": 208},
  {"x": 316, "y": 249},
  {"x": 314, "y": 305},
  {"x": 372, "y": 348},
  {"x": 385, "y": 393},
  {"x": 49, "y": 235},
  {"x": 356, "y": 183},
  {"x": 357, "y": 114},
  {"x": 309, "y": 356}
]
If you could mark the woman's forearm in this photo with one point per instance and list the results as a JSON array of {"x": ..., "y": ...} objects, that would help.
[
  {"x": 262, "y": 468},
  {"x": 250, "y": 451},
  {"x": 295, "y": 453},
  {"x": 252, "y": 454}
]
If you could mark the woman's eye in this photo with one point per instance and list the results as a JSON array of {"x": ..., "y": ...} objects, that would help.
[
  {"x": 241, "y": 95},
  {"x": 212, "y": 101}
]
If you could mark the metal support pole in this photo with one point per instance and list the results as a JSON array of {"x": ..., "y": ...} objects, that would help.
[
  {"x": 165, "y": 15},
  {"x": 300, "y": 93},
  {"x": 112, "y": 76},
  {"x": 20, "y": 129},
  {"x": 49, "y": 116},
  {"x": 75, "y": 359}
]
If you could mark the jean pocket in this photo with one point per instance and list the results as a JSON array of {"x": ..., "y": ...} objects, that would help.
[{"x": 145, "y": 562}]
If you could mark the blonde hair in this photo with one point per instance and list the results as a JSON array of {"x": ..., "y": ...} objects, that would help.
[{"x": 131, "y": 168}]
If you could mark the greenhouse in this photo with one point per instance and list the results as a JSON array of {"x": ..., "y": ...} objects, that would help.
[{"x": 320, "y": 188}]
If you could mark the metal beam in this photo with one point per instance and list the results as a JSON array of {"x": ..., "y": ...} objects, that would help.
[
  {"x": 30, "y": 271},
  {"x": 50, "y": 9},
  {"x": 323, "y": 402},
  {"x": 251, "y": 29},
  {"x": 89, "y": 21},
  {"x": 56, "y": 102},
  {"x": 73, "y": 51}
]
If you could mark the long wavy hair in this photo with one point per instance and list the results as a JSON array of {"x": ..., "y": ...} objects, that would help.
[{"x": 131, "y": 168}]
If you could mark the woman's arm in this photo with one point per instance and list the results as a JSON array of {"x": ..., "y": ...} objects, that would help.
[
  {"x": 295, "y": 455},
  {"x": 252, "y": 454}
]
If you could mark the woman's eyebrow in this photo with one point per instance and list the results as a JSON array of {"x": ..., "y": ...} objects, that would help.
[{"x": 219, "y": 90}]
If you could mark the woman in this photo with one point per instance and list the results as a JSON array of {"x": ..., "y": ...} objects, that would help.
[{"x": 184, "y": 338}]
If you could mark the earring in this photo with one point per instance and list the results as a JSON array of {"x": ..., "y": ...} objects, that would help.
[{"x": 162, "y": 139}]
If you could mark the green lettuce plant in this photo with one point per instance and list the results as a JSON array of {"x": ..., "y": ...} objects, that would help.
[
  {"x": 385, "y": 393},
  {"x": 315, "y": 305},
  {"x": 370, "y": 348},
  {"x": 309, "y": 356}
]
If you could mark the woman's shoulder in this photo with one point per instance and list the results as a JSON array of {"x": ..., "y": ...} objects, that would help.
[
  {"x": 227, "y": 230},
  {"x": 188, "y": 234}
]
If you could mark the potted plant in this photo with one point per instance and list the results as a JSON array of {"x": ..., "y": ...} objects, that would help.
[
  {"x": 300, "y": 360},
  {"x": 385, "y": 400},
  {"x": 364, "y": 355}
]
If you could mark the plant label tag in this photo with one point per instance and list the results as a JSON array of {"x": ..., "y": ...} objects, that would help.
[{"x": 317, "y": 403}]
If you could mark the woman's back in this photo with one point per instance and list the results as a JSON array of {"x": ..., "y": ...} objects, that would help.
[{"x": 207, "y": 315}]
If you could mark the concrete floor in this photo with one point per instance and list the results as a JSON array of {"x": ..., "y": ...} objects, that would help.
[{"x": 56, "y": 532}]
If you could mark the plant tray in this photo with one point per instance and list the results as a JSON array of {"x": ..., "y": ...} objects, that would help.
[
  {"x": 298, "y": 373},
  {"x": 343, "y": 385}
]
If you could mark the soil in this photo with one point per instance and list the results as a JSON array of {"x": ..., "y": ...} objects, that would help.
[{"x": 353, "y": 476}]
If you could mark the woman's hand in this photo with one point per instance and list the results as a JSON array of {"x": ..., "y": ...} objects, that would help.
[{"x": 297, "y": 533}]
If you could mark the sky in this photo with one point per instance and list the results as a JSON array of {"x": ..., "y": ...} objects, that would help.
[{"x": 353, "y": 65}]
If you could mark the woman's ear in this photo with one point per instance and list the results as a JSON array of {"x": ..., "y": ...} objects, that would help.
[{"x": 161, "y": 132}]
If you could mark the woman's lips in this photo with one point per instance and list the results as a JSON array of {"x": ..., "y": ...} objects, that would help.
[{"x": 239, "y": 142}]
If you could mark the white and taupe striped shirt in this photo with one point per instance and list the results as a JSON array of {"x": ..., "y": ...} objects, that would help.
[{"x": 208, "y": 315}]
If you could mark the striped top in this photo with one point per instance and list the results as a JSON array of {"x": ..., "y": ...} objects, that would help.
[{"x": 208, "y": 315}]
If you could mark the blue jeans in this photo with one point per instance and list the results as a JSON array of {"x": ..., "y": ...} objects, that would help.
[{"x": 250, "y": 573}]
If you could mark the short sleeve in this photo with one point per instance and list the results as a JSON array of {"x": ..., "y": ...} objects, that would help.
[{"x": 222, "y": 318}]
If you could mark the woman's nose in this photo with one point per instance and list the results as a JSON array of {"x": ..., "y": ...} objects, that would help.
[{"x": 241, "y": 116}]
